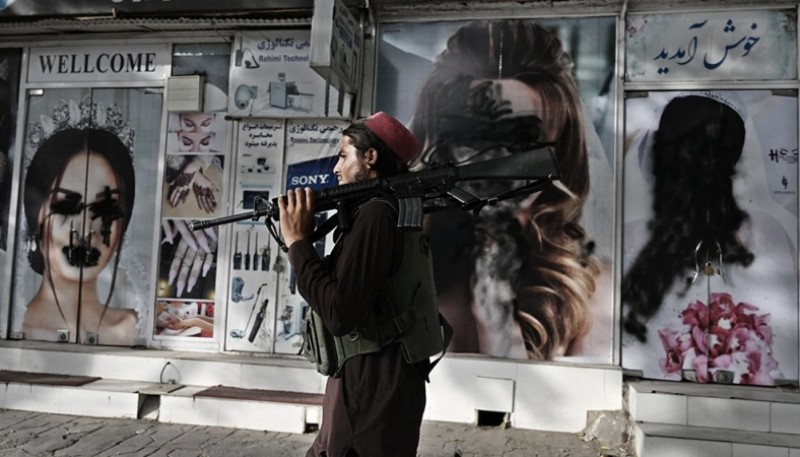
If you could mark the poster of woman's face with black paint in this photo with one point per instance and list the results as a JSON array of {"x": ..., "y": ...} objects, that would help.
[
  {"x": 86, "y": 152},
  {"x": 709, "y": 286},
  {"x": 529, "y": 277}
]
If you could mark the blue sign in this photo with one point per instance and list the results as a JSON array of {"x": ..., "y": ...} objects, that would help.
[{"x": 316, "y": 174}]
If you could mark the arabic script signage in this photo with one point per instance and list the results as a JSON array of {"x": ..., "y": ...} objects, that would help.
[
  {"x": 737, "y": 45},
  {"x": 271, "y": 77}
]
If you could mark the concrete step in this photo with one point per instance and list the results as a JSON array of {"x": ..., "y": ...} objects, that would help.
[
  {"x": 251, "y": 409},
  {"x": 667, "y": 440},
  {"x": 744, "y": 408},
  {"x": 462, "y": 387},
  {"x": 703, "y": 420}
]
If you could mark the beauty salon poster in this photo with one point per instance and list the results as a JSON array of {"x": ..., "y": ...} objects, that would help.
[
  {"x": 727, "y": 256},
  {"x": 83, "y": 271},
  {"x": 487, "y": 284}
]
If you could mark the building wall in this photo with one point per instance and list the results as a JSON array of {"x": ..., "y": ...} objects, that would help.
[{"x": 258, "y": 143}]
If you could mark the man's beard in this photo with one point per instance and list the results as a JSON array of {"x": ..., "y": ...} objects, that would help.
[{"x": 361, "y": 175}]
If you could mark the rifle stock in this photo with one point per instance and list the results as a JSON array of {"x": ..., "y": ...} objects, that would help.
[{"x": 412, "y": 188}]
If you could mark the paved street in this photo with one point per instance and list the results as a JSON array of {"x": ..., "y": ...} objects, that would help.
[{"x": 26, "y": 434}]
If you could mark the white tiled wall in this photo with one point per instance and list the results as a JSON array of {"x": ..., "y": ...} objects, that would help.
[
  {"x": 785, "y": 418},
  {"x": 448, "y": 394},
  {"x": 70, "y": 363},
  {"x": 69, "y": 400},
  {"x": 671, "y": 447},
  {"x": 134, "y": 368},
  {"x": 10, "y": 358},
  {"x": 250, "y": 415},
  {"x": 85, "y": 402},
  {"x": 204, "y": 373},
  {"x": 275, "y": 377},
  {"x": 540, "y": 396},
  {"x": 185, "y": 410},
  {"x": 547, "y": 396},
  {"x": 749, "y": 450},
  {"x": 557, "y": 397},
  {"x": 729, "y": 413},
  {"x": 766, "y": 424},
  {"x": 494, "y": 394},
  {"x": 659, "y": 408}
]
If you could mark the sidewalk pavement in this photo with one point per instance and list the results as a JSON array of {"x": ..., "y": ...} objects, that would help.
[{"x": 34, "y": 434}]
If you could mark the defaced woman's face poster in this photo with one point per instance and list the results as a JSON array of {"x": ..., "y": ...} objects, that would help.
[
  {"x": 83, "y": 265},
  {"x": 709, "y": 286},
  {"x": 528, "y": 277}
]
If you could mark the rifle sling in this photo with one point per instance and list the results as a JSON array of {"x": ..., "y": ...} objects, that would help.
[{"x": 324, "y": 228}]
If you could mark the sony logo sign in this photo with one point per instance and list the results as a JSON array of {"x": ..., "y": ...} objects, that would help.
[{"x": 309, "y": 180}]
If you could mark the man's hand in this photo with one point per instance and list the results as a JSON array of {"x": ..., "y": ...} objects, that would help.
[{"x": 297, "y": 215}]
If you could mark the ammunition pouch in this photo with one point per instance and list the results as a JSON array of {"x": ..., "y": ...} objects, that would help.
[
  {"x": 329, "y": 352},
  {"x": 421, "y": 335},
  {"x": 405, "y": 313}
]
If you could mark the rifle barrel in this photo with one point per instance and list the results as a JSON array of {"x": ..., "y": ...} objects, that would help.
[
  {"x": 254, "y": 215},
  {"x": 529, "y": 165},
  {"x": 533, "y": 164}
]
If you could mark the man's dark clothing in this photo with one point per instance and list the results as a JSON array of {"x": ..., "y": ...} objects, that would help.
[{"x": 375, "y": 408}]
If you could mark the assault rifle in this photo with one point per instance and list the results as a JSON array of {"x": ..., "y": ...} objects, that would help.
[{"x": 536, "y": 168}]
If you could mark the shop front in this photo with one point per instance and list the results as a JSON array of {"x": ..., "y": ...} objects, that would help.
[{"x": 666, "y": 251}]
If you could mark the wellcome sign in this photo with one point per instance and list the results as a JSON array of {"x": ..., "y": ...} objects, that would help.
[{"x": 107, "y": 63}]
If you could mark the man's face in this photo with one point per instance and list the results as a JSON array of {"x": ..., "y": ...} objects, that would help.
[{"x": 351, "y": 168}]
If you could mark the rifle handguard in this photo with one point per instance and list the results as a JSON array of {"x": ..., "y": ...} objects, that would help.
[{"x": 411, "y": 189}]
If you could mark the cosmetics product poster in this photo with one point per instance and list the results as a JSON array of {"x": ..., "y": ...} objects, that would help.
[
  {"x": 271, "y": 77},
  {"x": 709, "y": 286},
  {"x": 187, "y": 261},
  {"x": 193, "y": 186},
  {"x": 203, "y": 132},
  {"x": 194, "y": 173},
  {"x": 187, "y": 266},
  {"x": 193, "y": 189},
  {"x": 185, "y": 318},
  {"x": 311, "y": 154},
  {"x": 255, "y": 265}
]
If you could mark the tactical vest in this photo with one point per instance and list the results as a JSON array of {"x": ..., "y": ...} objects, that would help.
[{"x": 406, "y": 314}]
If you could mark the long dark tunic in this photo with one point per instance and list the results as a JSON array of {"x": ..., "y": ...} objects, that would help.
[{"x": 375, "y": 408}]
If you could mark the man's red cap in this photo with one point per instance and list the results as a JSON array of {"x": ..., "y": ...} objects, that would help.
[{"x": 399, "y": 139}]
